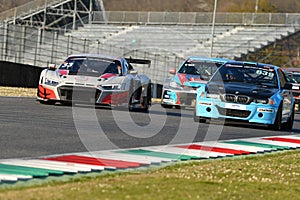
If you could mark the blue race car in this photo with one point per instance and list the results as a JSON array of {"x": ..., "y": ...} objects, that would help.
[
  {"x": 247, "y": 91},
  {"x": 180, "y": 89}
]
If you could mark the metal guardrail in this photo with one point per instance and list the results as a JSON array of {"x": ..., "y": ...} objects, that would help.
[{"x": 196, "y": 18}]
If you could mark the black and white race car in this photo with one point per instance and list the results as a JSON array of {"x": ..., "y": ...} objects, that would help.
[{"x": 103, "y": 80}]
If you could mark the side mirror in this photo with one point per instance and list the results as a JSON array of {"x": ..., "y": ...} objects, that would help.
[
  {"x": 172, "y": 71},
  {"x": 52, "y": 67}
]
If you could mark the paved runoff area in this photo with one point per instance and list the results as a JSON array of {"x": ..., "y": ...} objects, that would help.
[{"x": 24, "y": 170}]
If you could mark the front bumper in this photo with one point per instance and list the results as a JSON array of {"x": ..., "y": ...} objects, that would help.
[
  {"x": 178, "y": 97},
  {"x": 80, "y": 94},
  {"x": 253, "y": 113}
]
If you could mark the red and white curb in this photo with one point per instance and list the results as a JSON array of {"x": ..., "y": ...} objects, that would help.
[{"x": 15, "y": 170}]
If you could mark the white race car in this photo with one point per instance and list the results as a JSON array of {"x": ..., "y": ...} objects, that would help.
[{"x": 103, "y": 80}]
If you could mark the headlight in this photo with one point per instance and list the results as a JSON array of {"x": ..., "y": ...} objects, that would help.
[
  {"x": 265, "y": 101},
  {"x": 51, "y": 82},
  {"x": 112, "y": 87},
  {"x": 173, "y": 84},
  {"x": 271, "y": 101},
  {"x": 213, "y": 96}
]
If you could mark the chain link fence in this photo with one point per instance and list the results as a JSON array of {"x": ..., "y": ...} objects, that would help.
[{"x": 38, "y": 47}]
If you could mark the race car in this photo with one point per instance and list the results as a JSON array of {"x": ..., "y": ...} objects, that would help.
[
  {"x": 97, "y": 79},
  {"x": 249, "y": 92},
  {"x": 179, "y": 90},
  {"x": 293, "y": 76}
]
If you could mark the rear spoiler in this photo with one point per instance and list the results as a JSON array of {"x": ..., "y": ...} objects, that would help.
[{"x": 138, "y": 61}]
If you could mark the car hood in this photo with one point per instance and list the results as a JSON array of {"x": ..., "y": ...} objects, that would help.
[
  {"x": 188, "y": 80},
  {"x": 89, "y": 80},
  {"x": 251, "y": 90}
]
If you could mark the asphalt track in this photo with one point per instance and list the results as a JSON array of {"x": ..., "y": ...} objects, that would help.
[{"x": 31, "y": 129}]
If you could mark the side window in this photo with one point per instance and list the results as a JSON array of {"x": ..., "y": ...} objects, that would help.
[{"x": 281, "y": 77}]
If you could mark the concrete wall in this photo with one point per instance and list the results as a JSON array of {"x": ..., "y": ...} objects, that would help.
[{"x": 19, "y": 75}]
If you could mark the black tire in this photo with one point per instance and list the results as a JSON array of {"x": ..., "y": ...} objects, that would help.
[
  {"x": 146, "y": 102},
  {"x": 289, "y": 124},
  {"x": 48, "y": 102},
  {"x": 202, "y": 120},
  {"x": 166, "y": 106},
  {"x": 130, "y": 96},
  {"x": 66, "y": 103},
  {"x": 277, "y": 126}
]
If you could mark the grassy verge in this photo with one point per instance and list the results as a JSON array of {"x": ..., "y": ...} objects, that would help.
[
  {"x": 18, "y": 92},
  {"x": 269, "y": 176}
]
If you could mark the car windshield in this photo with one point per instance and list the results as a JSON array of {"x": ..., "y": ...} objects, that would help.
[
  {"x": 293, "y": 77},
  {"x": 264, "y": 76},
  {"x": 204, "y": 69},
  {"x": 90, "y": 66}
]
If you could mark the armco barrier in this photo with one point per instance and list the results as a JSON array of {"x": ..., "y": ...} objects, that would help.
[{"x": 19, "y": 75}]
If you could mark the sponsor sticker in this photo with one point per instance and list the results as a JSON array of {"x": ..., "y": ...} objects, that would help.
[
  {"x": 265, "y": 110},
  {"x": 204, "y": 103},
  {"x": 168, "y": 100},
  {"x": 235, "y": 106}
]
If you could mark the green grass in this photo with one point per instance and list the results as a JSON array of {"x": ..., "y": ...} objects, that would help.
[{"x": 268, "y": 176}]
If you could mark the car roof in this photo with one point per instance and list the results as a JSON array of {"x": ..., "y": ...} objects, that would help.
[
  {"x": 291, "y": 69},
  {"x": 200, "y": 58},
  {"x": 93, "y": 56},
  {"x": 252, "y": 64}
]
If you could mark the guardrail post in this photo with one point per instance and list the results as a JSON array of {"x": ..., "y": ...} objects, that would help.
[
  {"x": 84, "y": 46},
  {"x": 22, "y": 44},
  {"x": 4, "y": 54},
  {"x": 38, "y": 46},
  {"x": 98, "y": 45},
  {"x": 90, "y": 12},
  {"x": 74, "y": 15},
  {"x": 54, "y": 36}
]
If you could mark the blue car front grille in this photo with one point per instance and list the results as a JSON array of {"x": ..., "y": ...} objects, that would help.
[
  {"x": 233, "y": 112},
  {"x": 232, "y": 98}
]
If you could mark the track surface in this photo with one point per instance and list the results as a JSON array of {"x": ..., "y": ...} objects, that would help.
[{"x": 30, "y": 129}]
